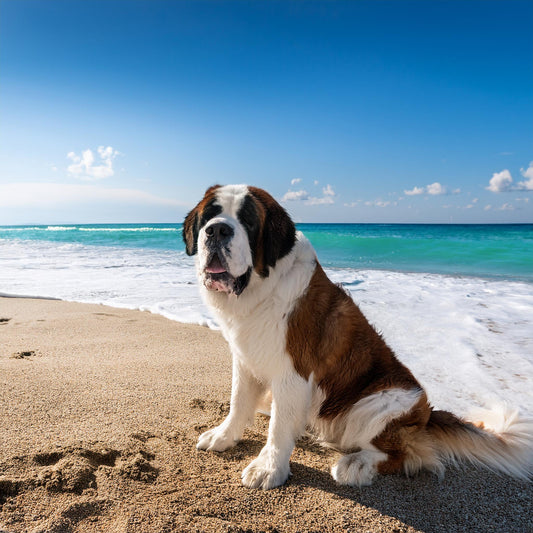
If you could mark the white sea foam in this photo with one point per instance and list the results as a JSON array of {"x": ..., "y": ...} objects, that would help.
[
  {"x": 20, "y": 229},
  {"x": 122, "y": 229},
  {"x": 468, "y": 340},
  {"x": 128, "y": 230}
]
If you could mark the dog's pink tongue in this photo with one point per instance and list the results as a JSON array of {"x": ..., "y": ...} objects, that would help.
[{"x": 215, "y": 266}]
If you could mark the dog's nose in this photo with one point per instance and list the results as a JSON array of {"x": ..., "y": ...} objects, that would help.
[{"x": 219, "y": 231}]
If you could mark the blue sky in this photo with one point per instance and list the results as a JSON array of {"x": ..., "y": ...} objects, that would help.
[{"x": 346, "y": 111}]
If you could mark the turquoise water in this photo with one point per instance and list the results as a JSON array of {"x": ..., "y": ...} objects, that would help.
[
  {"x": 492, "y": 251},
  {"x": 499, "y": 251}
]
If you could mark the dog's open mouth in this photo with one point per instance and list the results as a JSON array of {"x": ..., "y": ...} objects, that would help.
[
  {"x": 217, "y": 277},
  {"x": 215, "y": 266}
]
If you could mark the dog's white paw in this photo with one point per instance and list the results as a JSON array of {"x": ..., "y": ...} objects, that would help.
[
  {"x": 357, "y": 469},
  {"x": 264, "y": 473},
  {"x": 217, "y": 440}
]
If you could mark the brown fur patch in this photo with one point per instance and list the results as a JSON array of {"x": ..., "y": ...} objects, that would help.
[
  {"x": 277, "y": 233},
  {"x": 191, "y": 225},
  {"x": 330, "y": 337},
  {"x": 403, "y": 437}
]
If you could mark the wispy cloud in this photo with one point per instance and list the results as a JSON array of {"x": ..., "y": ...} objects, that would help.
[
  {"x": 328, "y": 191},
  {"x": 328, "y": 195},
  {"x": 49, "y": 195},
  {"x": 433, "y": 189},
  {"x": 294, "y": 196},
  {"x": 415, "y": 191},
  {"x": 85, "y": 166},
  {"x": 528, "y": 174},
  {"x": 380, "y": 203},
  {"x": 504, "y": 207}
]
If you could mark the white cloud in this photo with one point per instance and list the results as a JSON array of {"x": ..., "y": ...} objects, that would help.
[
  {"x": 434, "y": 189},
  {"x": 500, "y": 182},
  {"x": 84, "y": 167},
  {"x": 303, "y": 196},
  {"x": 415, "y": 191},
  {"x": 503, "y": 181},
  {"x": 320, "y": 201},
  {"x": 49, "y": 195},
  {"x": 295, "y": 181},
  {"x": 328, "y": 191},
  {"x": 504, "y": 207},
  {"x": 295, "y": 196},
  {"x": 380, "y": 203},
  {"x": 327, "y": 197},
  {"x": 528, "y": 174}
]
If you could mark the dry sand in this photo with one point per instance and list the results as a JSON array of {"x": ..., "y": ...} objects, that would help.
[{"x": 100, "y": 411}]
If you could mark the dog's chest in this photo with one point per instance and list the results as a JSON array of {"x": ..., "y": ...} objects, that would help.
[{"x": 259, "y": 341}]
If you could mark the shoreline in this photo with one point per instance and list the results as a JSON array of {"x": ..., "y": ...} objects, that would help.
[
  {"x": 101, "y": 411},
  {"x": 208, "y": 321}
]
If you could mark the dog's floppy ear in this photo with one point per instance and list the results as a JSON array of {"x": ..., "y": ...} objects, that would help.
[
  {"x": 195, "y": 220},
  {"x": 190, "y": 232},
  {"x": 279, "y": 232}
]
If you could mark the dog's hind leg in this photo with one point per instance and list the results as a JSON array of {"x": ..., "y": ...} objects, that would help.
[
  {"x": 389, "y": 429},
  {"x": 359, "y": 468}
]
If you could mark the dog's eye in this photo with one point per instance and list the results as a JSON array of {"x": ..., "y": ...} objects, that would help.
[{"x": 210, "y": 211}]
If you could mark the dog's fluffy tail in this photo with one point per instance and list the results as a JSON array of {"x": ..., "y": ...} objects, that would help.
[{"x": 502, "y": 442}]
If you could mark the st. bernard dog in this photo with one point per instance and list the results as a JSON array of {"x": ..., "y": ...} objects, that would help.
[{"x": 299, "y": 337}]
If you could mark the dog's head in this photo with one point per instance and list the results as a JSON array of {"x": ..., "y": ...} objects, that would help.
[{"x": 236, "y": 229}]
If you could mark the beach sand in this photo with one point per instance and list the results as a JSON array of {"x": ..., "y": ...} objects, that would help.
[{"x": 100, "y": 412}]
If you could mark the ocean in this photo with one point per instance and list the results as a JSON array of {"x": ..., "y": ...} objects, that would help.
[{"x": 455, "y": 302}]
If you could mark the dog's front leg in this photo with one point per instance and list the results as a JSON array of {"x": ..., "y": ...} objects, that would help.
[
  {"x": 291, "y": 396},
  {"x": 245, "y": 394}
]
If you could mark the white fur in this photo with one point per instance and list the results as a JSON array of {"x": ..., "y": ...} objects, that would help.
[
  {"x": 230, "y": 198},
  {"x": 365, "y": 420},
  {"x": 508, "y": 448},
  {"x": 358, "y": 469}
]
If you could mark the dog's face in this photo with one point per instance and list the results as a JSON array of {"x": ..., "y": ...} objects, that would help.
[{"x": 235, "y": 230}]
